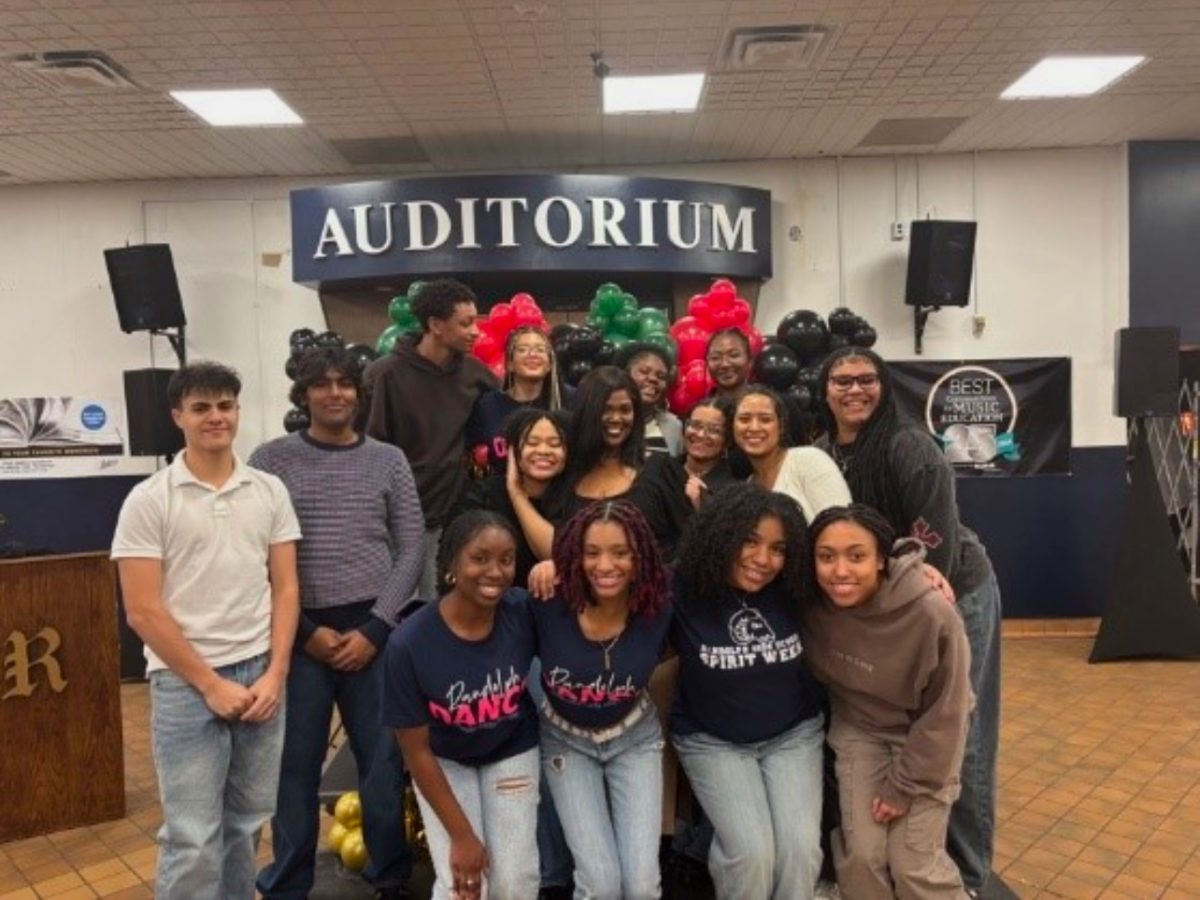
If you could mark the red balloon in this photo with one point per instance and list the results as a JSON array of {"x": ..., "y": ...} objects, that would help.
[
  {"x": 723, "y": 286},
  {"x": 680, "y": 400},
  {"x": 503, "y": 319},
  {"x": 682, "y": 324},
  {"x": 479, "y": 455},
  {"x": 497, "y": 367},
  {"x": 527, "y": 315},
  {"x": 693, "y": 344},
  {"x": 700, "y": 308},
  {"x": 721, "y": 316},
  {"x": 741, "y": 312},
  {"x": 487, "y": 348},
  {"x": 523, "y": 300}
]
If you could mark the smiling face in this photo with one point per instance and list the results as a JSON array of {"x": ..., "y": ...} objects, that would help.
[
  {"x": 704, "y": 434},
  {"x": 617, "y": 419},
  {"x": 609, "y": 565},
  {"x": 529, "y": 355},
  {"x": 650, "y": 374},
  {"x": 485, "y": 567},
  {"x": 542, "y": 454},
  {"x": 209, "y": 422},
  {"x": 852, "y": 392},
  {"x": 728, "y": 362},
  {"x": 849, "y": 564},
  {"x": 332, "y": 401},
  {"x": 761, "y": 557},
  {"x": 756, "y": 426}
]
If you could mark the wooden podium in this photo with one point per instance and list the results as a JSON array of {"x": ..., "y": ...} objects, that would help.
[{"x": 60, "y": 702}]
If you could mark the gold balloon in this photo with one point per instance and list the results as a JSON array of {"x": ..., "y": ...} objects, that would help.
[
  {"x": 348, "y": 809},
  {"x": 353, "y": 851},
  {"x": 335, "y": 835}
]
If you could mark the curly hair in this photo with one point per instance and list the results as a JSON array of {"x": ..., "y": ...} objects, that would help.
[
  {"x": 586, "y": 440},
  {"x": 869, "y": 472},
  {"x": 437, "y": 299},
  {"x": 315, "y": 362},
  {"x": 865, "y": 517},
  {"x": 202, "y": 377},
  {"x": 551, "y": 395},
  {"x": 649, "y": 590},
  {"x": 716, "y": 534},
  {"x": 459, "y": 533}
]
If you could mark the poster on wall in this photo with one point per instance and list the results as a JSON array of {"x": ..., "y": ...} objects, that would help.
[
  {"x": 61, "y": 437},
  {"x": 994, "y": 416}
]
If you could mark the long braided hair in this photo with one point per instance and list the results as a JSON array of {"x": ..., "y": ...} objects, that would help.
[
  {"x": 648, "y": 593},
  {"x": 869, "y": 471}
]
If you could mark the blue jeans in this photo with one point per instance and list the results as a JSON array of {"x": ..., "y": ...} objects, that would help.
[
  {"x": 217, "y": 781},
  {"x": 973, "y": 818},
  {"x": 764, "y": 800},
  {"x": 313, "y": 689},
  {"x": 609, "y": 795},
  {"x": 500, "y": 801},
  {"x": 554, "y": 856}
]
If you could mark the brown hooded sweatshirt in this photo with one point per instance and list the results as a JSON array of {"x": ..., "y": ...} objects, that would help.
[{"x": 898, "y": 666}]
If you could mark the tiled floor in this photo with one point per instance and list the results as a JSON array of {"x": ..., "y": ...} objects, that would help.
[{"x": 1099, "y": 770}]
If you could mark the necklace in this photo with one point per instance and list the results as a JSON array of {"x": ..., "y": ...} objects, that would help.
[
  {"x": 607, "y": 647},
  {"x": 843, "y": 458}
]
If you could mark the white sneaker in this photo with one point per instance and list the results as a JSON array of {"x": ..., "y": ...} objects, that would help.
[{"x": 827, "y": 890}]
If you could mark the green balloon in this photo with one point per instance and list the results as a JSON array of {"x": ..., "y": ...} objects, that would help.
[
  {"x": 627, "y": 323},
  {"x": 629, "y": 301},
  {"x": 388, "y": 339},
  {"x": 400, "y": 308},
  {"x": 600, "y": 323},
  {"x": 652, "y": 321},
  {"x": 618, "y": 340},
  {"x": 609, "y": 304},
  {"x": 608, "y": 288},
  {"x": 414, "y": 289},
  {"x": 666, "y": 342}
]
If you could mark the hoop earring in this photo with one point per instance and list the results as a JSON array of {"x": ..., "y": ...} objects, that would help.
[{"x": 450, "y": 579}]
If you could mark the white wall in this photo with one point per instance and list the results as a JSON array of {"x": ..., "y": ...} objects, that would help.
[{"x": 1051, "y": 272}]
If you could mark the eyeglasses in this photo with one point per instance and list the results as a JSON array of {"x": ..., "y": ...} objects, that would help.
[
  {"x": 845, "y": 382},
  {"x": 715, "y": 431},
  {"x": 530, "y": 350}
]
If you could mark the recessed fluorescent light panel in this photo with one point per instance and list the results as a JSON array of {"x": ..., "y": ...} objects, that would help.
[
  {"x": 1071, "y": 76},
  {"x": 652, "y": 93},
  {"x": 231, "y": 108}
]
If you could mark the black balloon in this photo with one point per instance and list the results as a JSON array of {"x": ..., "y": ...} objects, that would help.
[
  {"x": 838, "y": 341},
  {"x": 776, "y": 367},
  {"x": 810, "y": 377},
  {"x": 295, "y": 419},
  {"x": 842, "y": 321},
  {"x": 558, "y": 332},
  {"x": 302, "y": 336},
  {"x": 291, "y": 365},
  {"x": 794, "y": 317},
  {"x": 563, "y": 350},
  {"x": 805, "y": 337},
  {"x": 575, "y": 371},
  {"x": 864, "y": 336},
  {"x": 585, "y": 342},
  {"x": 330, "y": 339},
  {"x": 363, "y": 353},
  {"x": 801, "y": 395},
  {"x": 606, "y": 354}
]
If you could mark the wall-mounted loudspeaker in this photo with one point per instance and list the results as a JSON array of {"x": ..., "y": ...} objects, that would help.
[
  {"x": 152, "y": 431},
  {"x": 940, "y": 256},
  {"x": 1147, "y": 364},
  {"x": 144, "y": 286}
]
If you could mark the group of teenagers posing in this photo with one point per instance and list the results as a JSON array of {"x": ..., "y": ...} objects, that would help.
[{"x": 797, "y": 596}]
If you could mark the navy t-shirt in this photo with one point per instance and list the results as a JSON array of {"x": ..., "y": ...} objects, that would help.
[
  {"x": 486, "y": 424},
  {"x": 741, "y": 678},
  {"x": 472, "y": 694},
  {"x": 576, "y": 683}
]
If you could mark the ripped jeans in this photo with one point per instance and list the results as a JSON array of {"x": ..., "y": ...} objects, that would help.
[
  {"x": 500, "y": 800},
  {"x": 609, "y": 798}
]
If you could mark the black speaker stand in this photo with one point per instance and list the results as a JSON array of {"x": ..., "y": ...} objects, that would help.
[
  {"x": 920, "y": 317},
  {"x": 177, "y": 339}
]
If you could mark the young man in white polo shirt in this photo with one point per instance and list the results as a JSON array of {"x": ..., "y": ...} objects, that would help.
[{"x": 206, "y": 551}]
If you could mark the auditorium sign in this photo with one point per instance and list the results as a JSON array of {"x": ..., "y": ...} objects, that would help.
[{"x": 375, "y": 230}]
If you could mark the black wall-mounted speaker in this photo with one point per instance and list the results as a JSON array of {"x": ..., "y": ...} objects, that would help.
[
  {"x": 152, "y": 431},
  {"x": 145, "y": 288},
  {"x": 941, "y": 254},
  {"x": 1147, "y": 369}
]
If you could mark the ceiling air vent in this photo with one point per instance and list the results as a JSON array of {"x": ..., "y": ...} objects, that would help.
[
  {"x": 775, "y": 47},
  {"x": 911, "y": 132},
  {"x": 73, "y": 71},
  {"x": 381, "y": 151}
]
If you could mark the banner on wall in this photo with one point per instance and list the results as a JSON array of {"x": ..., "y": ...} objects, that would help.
[
  {"x": 61, "y": 437},
  {"x": 995, "y": 416}
]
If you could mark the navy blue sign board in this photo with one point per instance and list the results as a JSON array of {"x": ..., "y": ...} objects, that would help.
[{"x": 378, "y": 230}]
